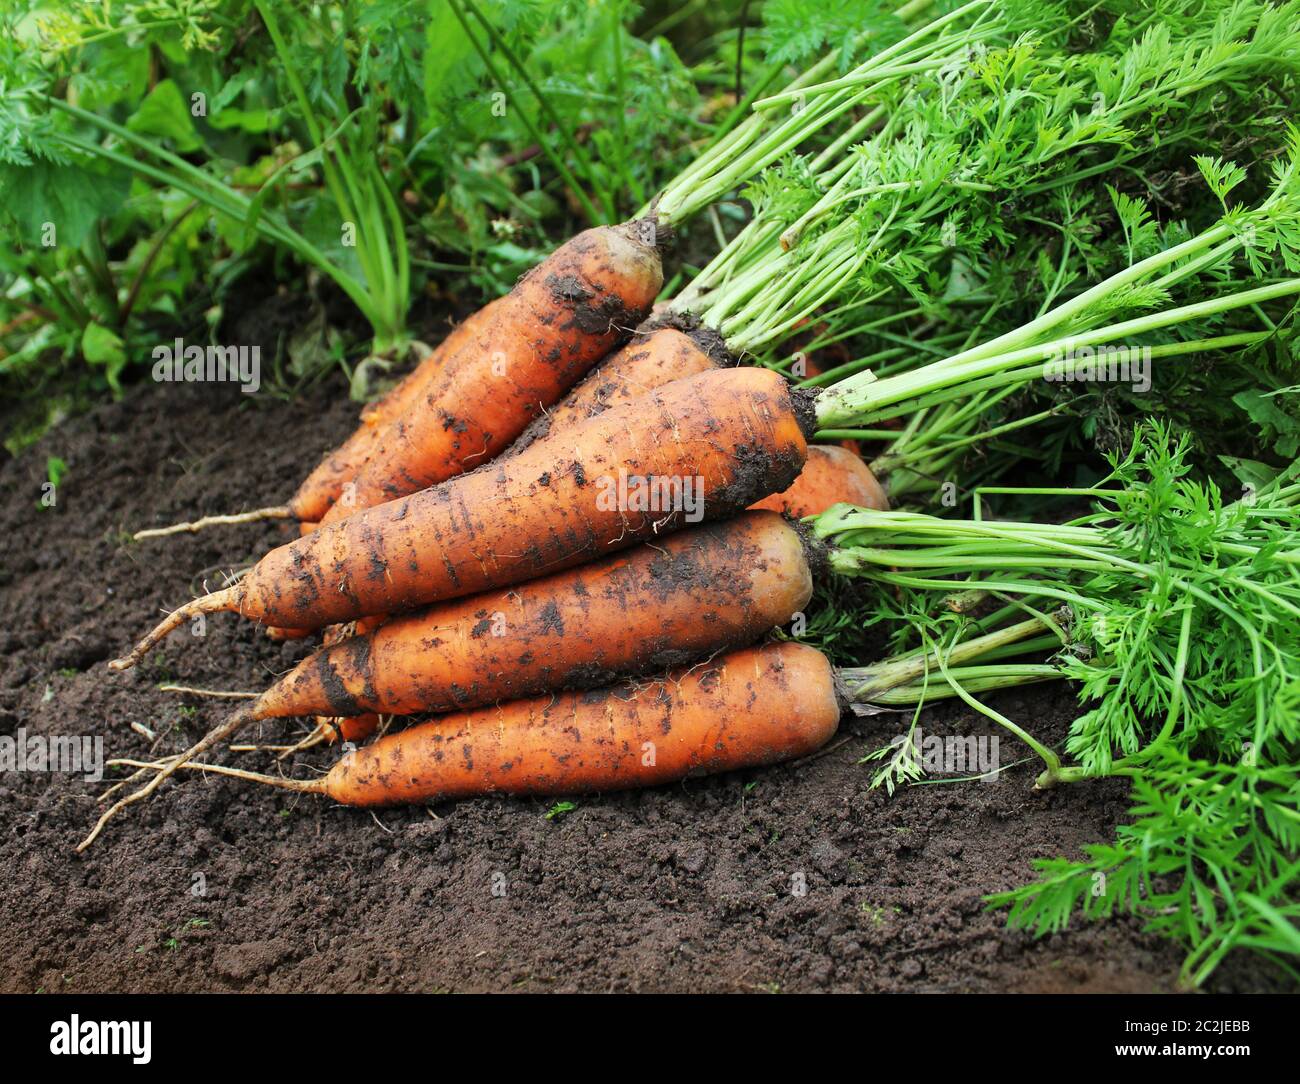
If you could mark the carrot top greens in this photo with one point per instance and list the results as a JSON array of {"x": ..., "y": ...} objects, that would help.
[{"x": 1176, "y": 611}]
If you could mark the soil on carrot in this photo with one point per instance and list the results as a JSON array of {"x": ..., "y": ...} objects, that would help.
[{"x": 797, "y": 878}]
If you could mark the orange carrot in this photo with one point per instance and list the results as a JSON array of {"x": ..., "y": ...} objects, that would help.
[
  {"x": 279, "y": 635},
  {"x": 528, "y": 348},
  {"x": 323, "y": 486},
  {"x": 704, "y": 589},
  {"x": 832, "y": 475},
  {"x": 356, "y": 728},
  {"x": 751, "y": 707},
  {"x": 559, "y": 320},
  {"x": 704, "y": 447},
  {"x": 652, "y": 359}
]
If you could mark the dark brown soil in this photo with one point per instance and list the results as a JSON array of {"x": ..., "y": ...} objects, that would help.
[{"x": 683, "y": 888}]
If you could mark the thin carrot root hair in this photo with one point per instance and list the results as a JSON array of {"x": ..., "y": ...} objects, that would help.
[
  {"x": 334, "y": 730},
  {"x": 302, "y": 786},
  {"x": 275, "y": 511},
  {"x": 236, "y": 722},
  {"x": 122, "y": 784},
  {"x": 216, "y": 602},
  {"x": 215, "y": 694},
  {"x": 245, "y": 747},
  {"x": 312, "y": 739}
]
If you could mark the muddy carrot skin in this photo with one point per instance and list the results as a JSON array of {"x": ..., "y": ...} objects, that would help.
[
  {"x": 559, "y": 320},
  {"x": 342, "y": 727},
  {"x": 832, "y": 475},
  {"x": 555, "y": 505},
  {"x": 748, "y": 708},
  {"x": 705, "y": 589},
  {"x": 733, "y": 436},
  {"x": 651, "y": 360}
]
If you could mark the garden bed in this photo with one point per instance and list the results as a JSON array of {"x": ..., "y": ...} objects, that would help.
[{"x": 688, "y": 887}]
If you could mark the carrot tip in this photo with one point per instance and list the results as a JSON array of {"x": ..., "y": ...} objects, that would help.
[
  {"x": 213, "y": 603},
  {"x": 278, "y": 511},
  {"x": 163, "y": 769}
]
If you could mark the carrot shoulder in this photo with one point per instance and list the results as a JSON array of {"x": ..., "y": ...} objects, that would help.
[{"x": 539, "y": 340}]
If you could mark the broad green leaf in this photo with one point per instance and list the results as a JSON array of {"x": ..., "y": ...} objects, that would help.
[
  {"x": 447, "y": 49},
  {"x": 1274, "y": 422},
  {"x": 1249, "y": 472},
  {"x": 166, "y": 114},
  {"x": 248, "y": 120},
  {"x": 68, "y": 197}
]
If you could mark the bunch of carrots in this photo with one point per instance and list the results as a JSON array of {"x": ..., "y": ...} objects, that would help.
[
  {"x": 493, "y": 520},
  {"x": 487, "y": 570},
  {"x": 567, "y": 533},
  {"x": 468, "y": 551}
]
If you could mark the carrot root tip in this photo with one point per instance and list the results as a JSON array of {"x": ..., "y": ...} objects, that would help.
[
  {"x": 212, "y": 694},
  {"x": 213, "y": 603},
  {"x": 279, "y": 511},
  {"x": 169, "y": 766}
]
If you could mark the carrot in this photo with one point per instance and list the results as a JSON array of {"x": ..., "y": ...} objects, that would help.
[
  {"x": 751, "y": 707},
  {"x": 332, "y": 729},
  {"x": 328, "y": 482},
  {"x": 655, "y": 357},
  {"x": 561, "y": 318},
  {"x": 705, "y": 589},
  {"x": 529, "y": 347},
  {"x": 724, "y": 439},
  {"x": 832, "y": 475},
  {"x": 355, "y": 729},
  {"x": 323, "y": 486}
]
